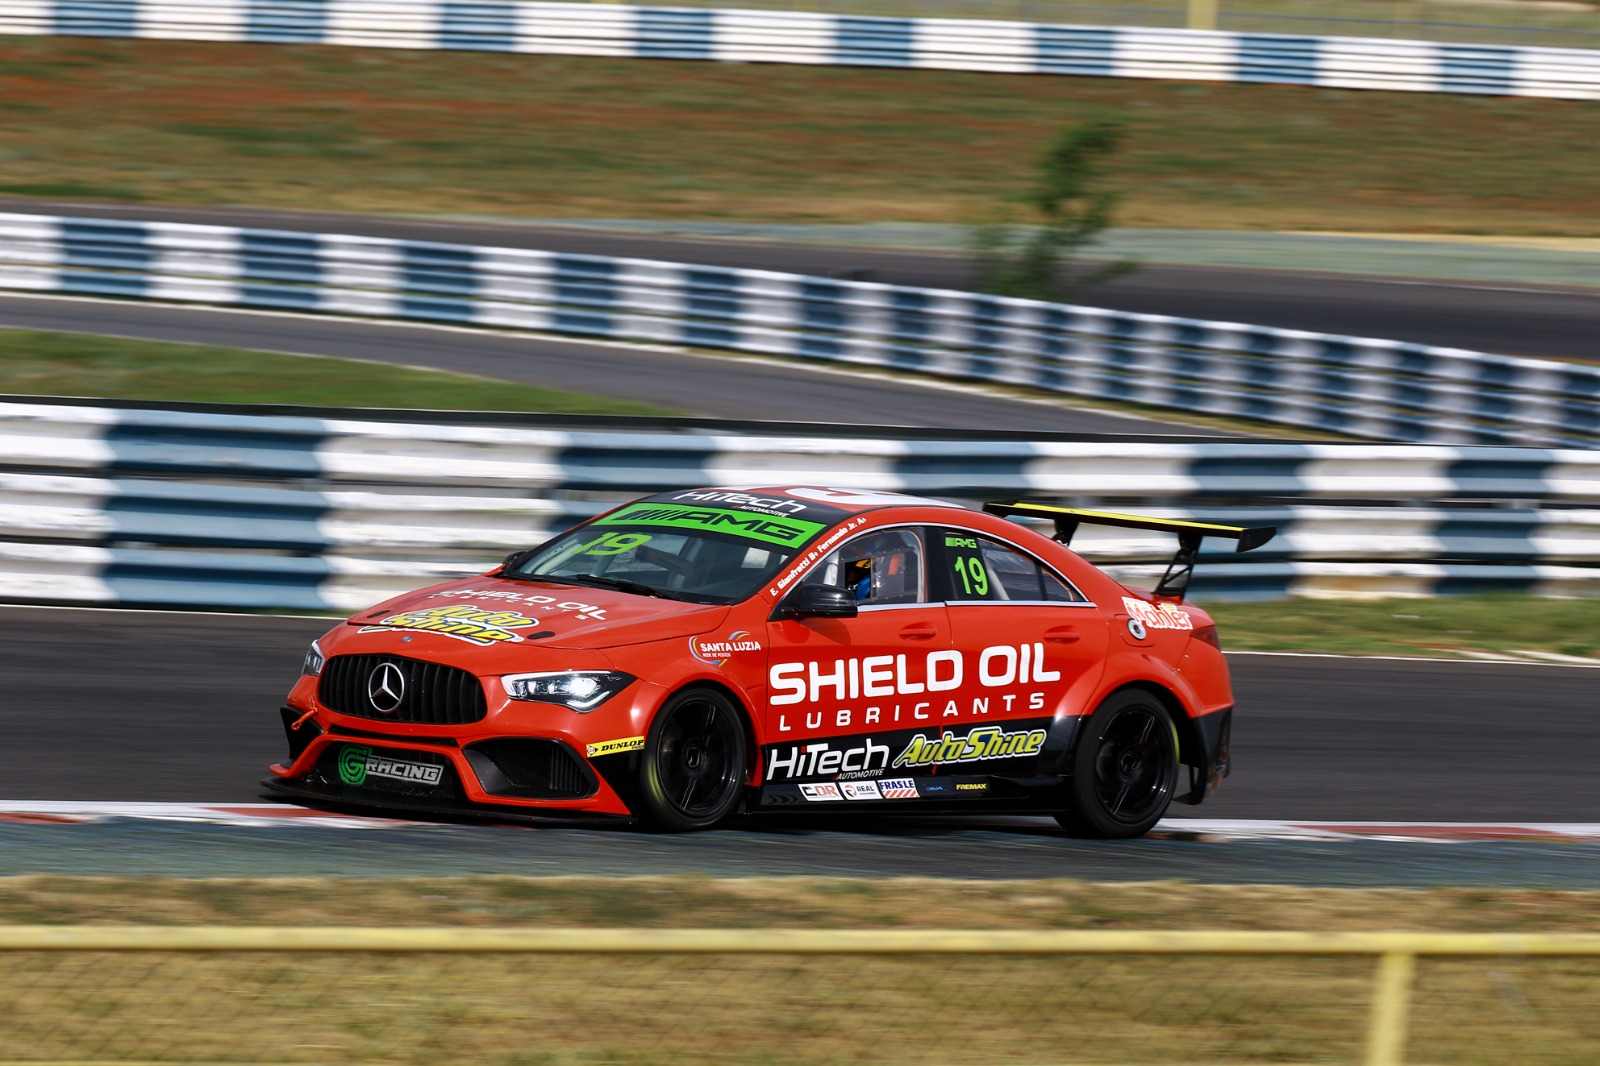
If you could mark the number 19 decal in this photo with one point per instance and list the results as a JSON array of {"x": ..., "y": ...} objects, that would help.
[{"x": 974, "y": 576}]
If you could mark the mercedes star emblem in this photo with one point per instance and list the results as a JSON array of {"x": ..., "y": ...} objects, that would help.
[{"x": 386, "y": 687}]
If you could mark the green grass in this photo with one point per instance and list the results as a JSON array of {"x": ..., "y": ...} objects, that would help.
[
  {"x": 1442, "y": 626},
  {"x": 34, "y": 363},
  {"x": 443, "y": 133}
]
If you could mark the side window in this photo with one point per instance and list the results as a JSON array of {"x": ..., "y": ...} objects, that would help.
[
  {"x": 984, "y": 569},
  {"x": 879, "y": 568}
]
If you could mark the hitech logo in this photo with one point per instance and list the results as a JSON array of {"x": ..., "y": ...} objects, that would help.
[{"x": 821, "y": 758}]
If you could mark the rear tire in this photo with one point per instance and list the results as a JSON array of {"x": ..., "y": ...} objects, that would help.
[
  {"x": 693, "y": 770},
  {"x": 1125, "y": 769}
]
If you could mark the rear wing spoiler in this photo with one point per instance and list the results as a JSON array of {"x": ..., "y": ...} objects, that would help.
[{"x": 1175, "y": 582}]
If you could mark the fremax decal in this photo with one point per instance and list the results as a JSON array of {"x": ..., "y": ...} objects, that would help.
[
  {"x": 887, "y": 677},
  {"x": 1157, "y": 615}
]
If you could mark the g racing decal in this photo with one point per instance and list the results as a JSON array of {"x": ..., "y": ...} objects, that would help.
[
  {"x": 780, "y": 529},
  {"x": 1157, "y": 615},
  {"x": 358, "y": 764},
  {"x": 885, "y": 678},
  {"x": 463, "y": 621},
  {"x": 717, "y": 651},
  {"x": 980, "y": 745},
  {"x": 614, "y": 747}
]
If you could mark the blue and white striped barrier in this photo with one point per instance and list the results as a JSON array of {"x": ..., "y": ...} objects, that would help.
[
  {"x": 1358, "y": 387},
  {"x": 618, "y": 30},
  {"x": 183, "y": 508}
]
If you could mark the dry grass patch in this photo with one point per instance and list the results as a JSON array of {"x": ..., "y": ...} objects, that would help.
[{"x": 540, "y": 136}]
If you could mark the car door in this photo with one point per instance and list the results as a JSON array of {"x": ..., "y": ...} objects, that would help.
[
  {"x": 833, "y": 683},
  {"x": 1036, "y": 644}
]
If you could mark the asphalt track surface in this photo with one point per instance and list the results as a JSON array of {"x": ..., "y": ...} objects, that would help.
[
  {"x": 149, "y": 706},
  {"x": 708, "y": 386},
  {"x": 1540, "y": 321}
]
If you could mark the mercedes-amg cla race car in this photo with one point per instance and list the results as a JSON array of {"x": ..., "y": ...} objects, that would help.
[{"x": 698, "y": 653}]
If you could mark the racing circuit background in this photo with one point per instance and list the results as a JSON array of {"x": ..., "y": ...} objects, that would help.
[{"x": 307, "y": 302}]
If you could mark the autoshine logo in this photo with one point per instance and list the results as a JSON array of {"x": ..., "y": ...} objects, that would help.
[{"x": 984, "y": 743}]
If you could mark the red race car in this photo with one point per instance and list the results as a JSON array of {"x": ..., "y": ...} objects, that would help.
[{"x": 699, "y": 652}]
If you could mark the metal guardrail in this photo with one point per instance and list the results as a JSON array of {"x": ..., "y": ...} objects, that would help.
[
  {"x": 841, "y": 40},
  {"x": 1353, "y": 386},
  {"x": 1389, "y": 1001},
  {"x": 100, "y": 504}
]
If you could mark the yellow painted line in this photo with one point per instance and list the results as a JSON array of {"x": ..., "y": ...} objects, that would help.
[{"x": 784, "y": 941}]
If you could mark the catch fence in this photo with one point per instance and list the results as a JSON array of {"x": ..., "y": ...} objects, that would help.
[{"x": 402, "y": 996}]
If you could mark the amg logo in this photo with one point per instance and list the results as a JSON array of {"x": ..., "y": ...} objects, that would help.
[
  {"x": 749, "y": 525},
  {"x": 814, "y": 760}
]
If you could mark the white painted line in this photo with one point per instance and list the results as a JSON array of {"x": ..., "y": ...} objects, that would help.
[
  {"x": 278, "y": 815},
  {"x": 168, "y": 610},
  {"x": 1426, "y": 832},
  {"x": 1475, "y": 659},
  {"x": 254, "y": 815}
]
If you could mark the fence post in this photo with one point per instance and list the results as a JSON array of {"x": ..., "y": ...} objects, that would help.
[
  {"x": 1391, "y": 995},
  {"x": 1203, "y": 14}
]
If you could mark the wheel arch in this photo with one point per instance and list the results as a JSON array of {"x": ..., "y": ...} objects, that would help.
[{"x": 1191, "y": 744}]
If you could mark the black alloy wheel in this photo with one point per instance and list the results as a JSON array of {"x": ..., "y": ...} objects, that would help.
[
  {"x": 1125, "y": 769},
  {"x": 694, "y": 762}
]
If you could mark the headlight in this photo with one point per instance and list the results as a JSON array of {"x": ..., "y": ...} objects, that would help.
[
  {"x": 311, "y": 666},
  {"x": 581, "y": 690}
]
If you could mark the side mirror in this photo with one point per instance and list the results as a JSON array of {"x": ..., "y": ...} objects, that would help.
[
  {"x": 514, "y": 560},
  {"x": 817, "y": 601}
]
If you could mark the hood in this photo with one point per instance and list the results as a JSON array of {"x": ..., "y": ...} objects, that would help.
[{"x": 488, "y": 610}]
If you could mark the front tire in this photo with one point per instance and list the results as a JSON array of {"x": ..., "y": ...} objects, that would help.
[
  {"x": 1125, "y": 769},
  {"x": 694, "y": 762}
]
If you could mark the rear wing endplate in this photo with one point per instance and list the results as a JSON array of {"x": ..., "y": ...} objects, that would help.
[{"x": 1176, "y": 580}]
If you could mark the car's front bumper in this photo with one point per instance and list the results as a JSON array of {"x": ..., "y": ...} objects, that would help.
[{"x": 528, "y": 758}]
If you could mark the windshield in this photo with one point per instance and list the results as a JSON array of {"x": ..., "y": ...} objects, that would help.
[{"x": 700, "y": 554}]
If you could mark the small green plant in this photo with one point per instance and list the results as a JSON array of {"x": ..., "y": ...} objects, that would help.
[{"x": 1073, "y": 206}]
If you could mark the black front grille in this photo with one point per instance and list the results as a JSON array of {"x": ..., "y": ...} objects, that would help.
[{"x": 433, "y": 694}]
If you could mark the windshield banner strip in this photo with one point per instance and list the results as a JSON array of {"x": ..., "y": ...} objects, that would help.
[{"x": 771, "y": 529}]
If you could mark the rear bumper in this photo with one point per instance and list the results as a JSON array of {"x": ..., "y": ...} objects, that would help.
[{"x": 1214, "y": 759}]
